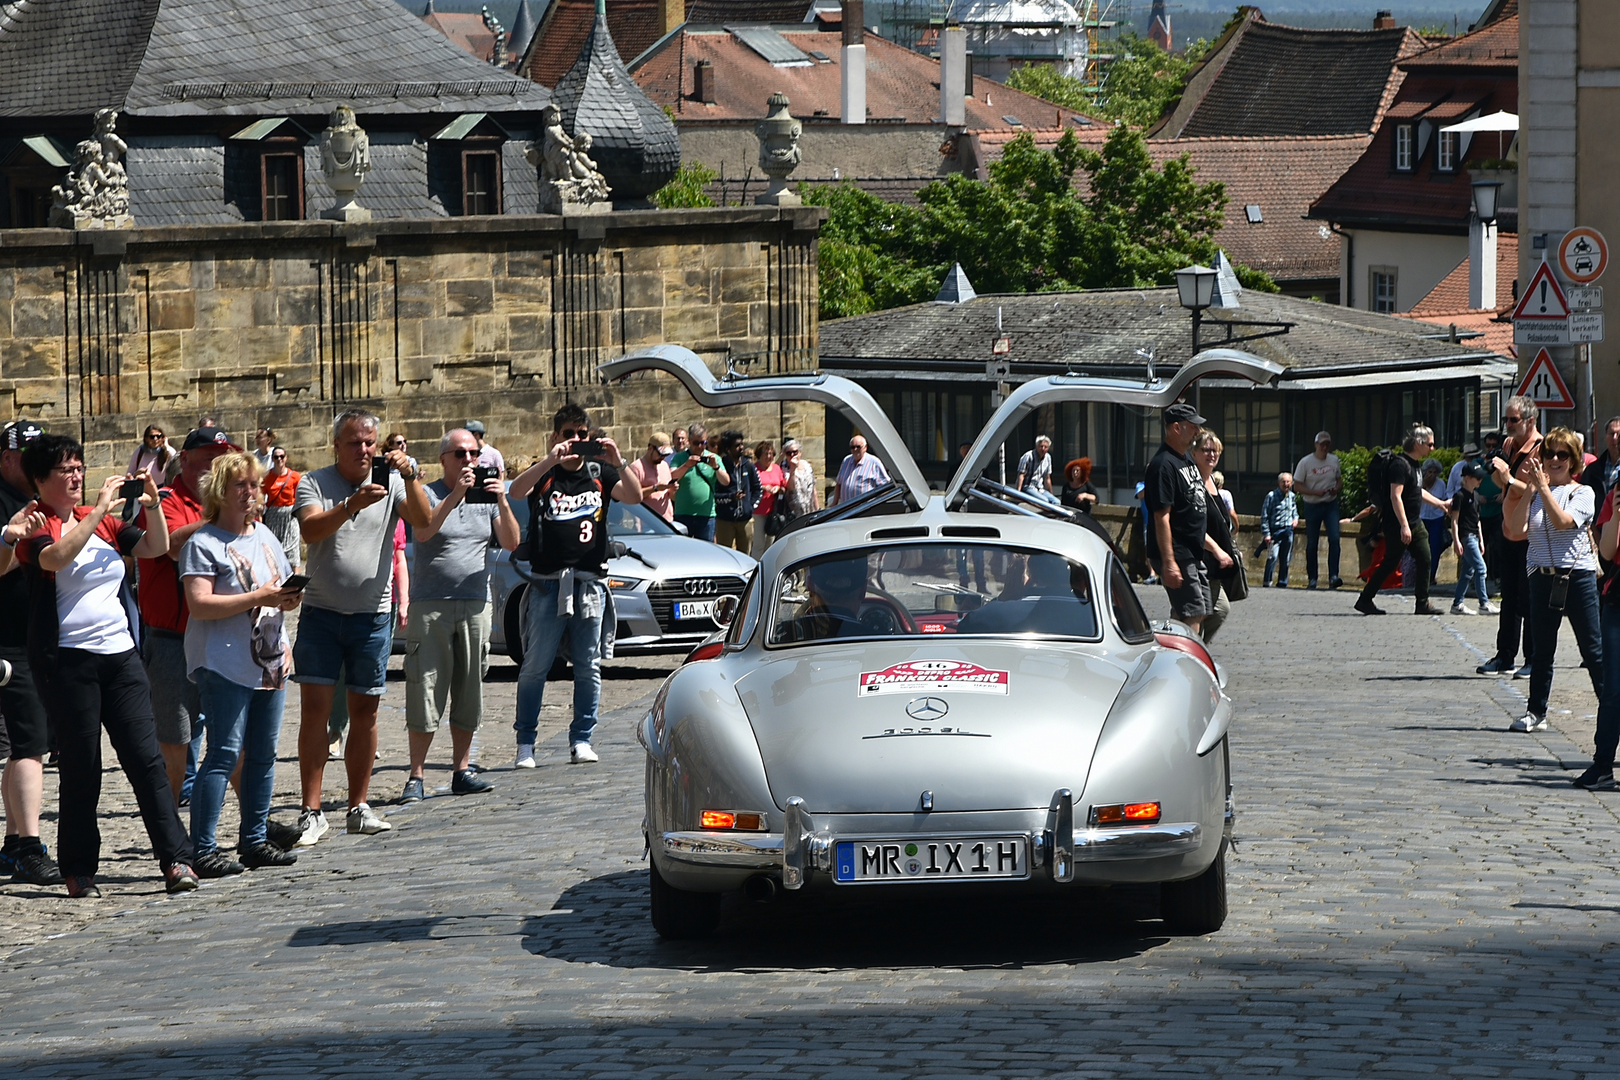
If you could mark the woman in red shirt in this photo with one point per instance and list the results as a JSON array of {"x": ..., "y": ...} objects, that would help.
[{"x": 280, "y": 488}]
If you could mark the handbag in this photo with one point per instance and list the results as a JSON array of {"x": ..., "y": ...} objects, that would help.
[
  {"x": 778, "y": 518},
  {"x": 1236, "y": 582}
]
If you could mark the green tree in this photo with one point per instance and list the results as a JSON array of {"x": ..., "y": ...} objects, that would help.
[
  {"x": 1143, "y": 80},
  {"x": 685, "y": 188},
  {"x": 1049, "y": 84}
]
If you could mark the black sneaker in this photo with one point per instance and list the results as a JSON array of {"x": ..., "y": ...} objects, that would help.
[
  {"x": 284, "y": 837},
  {"x": 216, "y": 864},
  {"x": 1597, "y": 778},
  {"x": 264, "y": 853},
  {"x": 1495, "y": 666},
  {"x": 467, "y": 782},
  {"x": 414, "y": 790},
  {"x": 1367, "y": 607},
  {"x": 1335, "y": 582},
  {"x": 34, "y": 865}
]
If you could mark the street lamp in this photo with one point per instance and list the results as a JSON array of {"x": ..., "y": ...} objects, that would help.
[
  {"x": 1485, "y": 196},
  {"x": 1196, "y": 284}
]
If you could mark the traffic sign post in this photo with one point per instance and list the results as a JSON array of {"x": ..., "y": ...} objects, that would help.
[
  {"x": 1543, "y": 385},
  {"x": 1584, "y": 297},
  {"x": 1583, "y": 255}
]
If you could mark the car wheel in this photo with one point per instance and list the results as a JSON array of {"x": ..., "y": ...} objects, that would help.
[
  {"x": 1197, "y": 906},
  {"x": 679, "y": 915}
]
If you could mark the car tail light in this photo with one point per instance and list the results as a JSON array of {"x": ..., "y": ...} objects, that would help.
[
  {"x": 1136, "y": 813},
  {"x": 742, "y": 820},
  {"x": 1191, "y": 646},
  {"x": 707, "y": 651}
]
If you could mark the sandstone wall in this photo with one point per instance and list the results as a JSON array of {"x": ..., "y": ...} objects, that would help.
[{"x": 430, "y": 323}]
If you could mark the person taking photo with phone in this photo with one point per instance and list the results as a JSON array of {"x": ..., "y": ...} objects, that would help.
[
  {"x": 82, "y": 637},
  {"x": 347, "y": 512},
  {"x": 447, "y": 654},
  {"x": 234, "y": 572},
  {"x": 697, "y": 472},
  {"x": 568, "y": 595}
]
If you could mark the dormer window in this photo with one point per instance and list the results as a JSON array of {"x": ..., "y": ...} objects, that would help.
[
  {"x": 1403, "y": 147},
  {"x": 1445, "y": 153}
]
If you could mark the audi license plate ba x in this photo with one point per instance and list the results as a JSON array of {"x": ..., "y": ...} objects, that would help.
[
  {"x": 694, "y": 609},
  {"x": 978, "y": 858}
]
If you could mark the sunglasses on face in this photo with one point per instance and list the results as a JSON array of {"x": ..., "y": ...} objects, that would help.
[
  {"x": 1557, "y": 455},
  {"x": 1511, "y": 419},
  {"x": 462, "y": 453},
  {"x": 574, "y": 433}
]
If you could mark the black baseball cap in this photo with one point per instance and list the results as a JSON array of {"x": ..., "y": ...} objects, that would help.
[
  {"x": 19, "y": 433},
  {"x": 208, "y": 436},
  {"x": 1183, "y": 412}
]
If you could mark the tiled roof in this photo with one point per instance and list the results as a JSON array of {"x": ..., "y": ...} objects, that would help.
[
  {"x": 746, "y": 12},
  {"x": 901, "y": 85},
  {"x": 396, "y": 186},
  {"x": 1103, "y": 328},
  {"x": 466, "y": 31},
  {"x": 1494, "y": 46},
  {"x": 224, "y": 57},
  {"x": 1450, "y": 297},
  {"x": 1265, "y": 79},
  {"x": 178, "y": 180},
  {"x": 1280, "y": 176}
]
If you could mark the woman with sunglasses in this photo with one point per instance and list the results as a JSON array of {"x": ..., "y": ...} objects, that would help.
[
  {"x": 1552, "y": 511},
  {"x": 154, "y": 456},
  {"x": 280, "y": 490}
]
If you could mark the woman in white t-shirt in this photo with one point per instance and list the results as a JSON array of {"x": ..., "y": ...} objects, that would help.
[
  {"x": 82, "y": 644},
  {"x": 238, "y": 655},
  {"x": 1554, "y": 511}
]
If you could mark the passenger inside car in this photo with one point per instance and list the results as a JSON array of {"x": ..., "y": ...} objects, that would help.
[
  {"x": 1054, "y": 598},
  {"x": 836, "y": 591}
]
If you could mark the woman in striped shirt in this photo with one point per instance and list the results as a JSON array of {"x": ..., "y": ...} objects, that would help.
[{"x": 1554, "y": 511}]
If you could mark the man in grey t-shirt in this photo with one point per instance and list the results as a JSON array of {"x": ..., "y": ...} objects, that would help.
[
  {"x": 346, "y": 625},
  {"x": 448, "y": 632}
]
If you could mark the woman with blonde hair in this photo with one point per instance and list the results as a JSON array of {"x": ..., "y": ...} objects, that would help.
[
  {"x": 238, "y": 655},
  {"x": 1220, "y": 559},
  {"x": 1553, "y": 510}
]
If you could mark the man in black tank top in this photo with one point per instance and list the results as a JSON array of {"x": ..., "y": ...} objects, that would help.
[
  {"x": 1519, "y": 417},
  {"x": 567, "y": 549}
]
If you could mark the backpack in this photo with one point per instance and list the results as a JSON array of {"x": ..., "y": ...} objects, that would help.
[{"x": 1378, "y": 481}]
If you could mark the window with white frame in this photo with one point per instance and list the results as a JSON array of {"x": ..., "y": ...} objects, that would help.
[
  {"x": 1382, "y": 289},
  {"x": 1445, "y": 154},
  {"x": 1403, "y": 147}
]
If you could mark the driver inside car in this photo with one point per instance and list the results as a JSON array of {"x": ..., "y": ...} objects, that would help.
[
  {"x": 1055, "y": 599},
  {"x": 836, "y": 591}
]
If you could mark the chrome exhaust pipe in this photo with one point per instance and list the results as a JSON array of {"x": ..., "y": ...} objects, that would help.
[{"x": 761, "y": 888}]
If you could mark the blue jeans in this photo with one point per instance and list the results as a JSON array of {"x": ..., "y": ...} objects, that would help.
[
  {"x": 1470, "y": 570},
  {"x": 331, "y": 645},
  {"x": 1581, "y": 606},
  {"x": 1277, "y": 554},
  {"x": 1036, "y": 492},
  {"x": 1439, "y": 543},
  {"x": 1608, "y": 712},
  {"x": 701, "y": 528},
  {"x": 543, "y": 634},
  {"x": 1316, "y": 515},
  {"x": 243, "y": 722}
]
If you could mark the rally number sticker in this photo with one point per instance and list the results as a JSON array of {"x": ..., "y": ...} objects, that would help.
[{"x": 922, "y": 676}]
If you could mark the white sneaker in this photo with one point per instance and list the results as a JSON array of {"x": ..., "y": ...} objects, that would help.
[
  {"x": 582, "y": 754},
  {"x": 1529, "y": 722},
  {"x": 311, "y": 827},
  {"x": 525, "y": 756},
  {"x": 1460, "y": 608},
  {"x": 1488, "y": 608},
  {"x": 362, "y": 822}
]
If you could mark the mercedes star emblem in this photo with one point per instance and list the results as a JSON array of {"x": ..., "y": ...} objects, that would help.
[{"x": 927, "y": 708}]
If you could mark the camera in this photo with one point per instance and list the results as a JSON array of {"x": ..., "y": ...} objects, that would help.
[
  {"x": 130, "y": 492},
  {"x": 482, "y": 474}
]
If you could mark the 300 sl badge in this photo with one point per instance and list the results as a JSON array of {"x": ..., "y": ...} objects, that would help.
[{"x": 934, "y": 675}]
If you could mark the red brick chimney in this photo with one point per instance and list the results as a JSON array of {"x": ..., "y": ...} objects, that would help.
[{"x": 1384, "y": 20}]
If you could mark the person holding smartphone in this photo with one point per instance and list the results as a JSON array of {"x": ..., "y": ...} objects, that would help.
[
  {"x": 698, "y": 472},
  {"x": 82, "y": 635},
  {"x": 347, "y": 512},
  {"x": 234, "y": 572},
  {"x": 448, "y": 633}
]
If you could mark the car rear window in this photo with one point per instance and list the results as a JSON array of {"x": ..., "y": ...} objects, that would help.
[{"x": 925, "y": 590}]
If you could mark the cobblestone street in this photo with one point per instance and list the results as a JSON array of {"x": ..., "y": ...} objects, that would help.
[{"x": 1414, "y": 891}]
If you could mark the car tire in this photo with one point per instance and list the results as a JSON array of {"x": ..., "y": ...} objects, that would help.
[
  {"x": 679, "y": 915},
  {"x": 1196, "y": 906}
]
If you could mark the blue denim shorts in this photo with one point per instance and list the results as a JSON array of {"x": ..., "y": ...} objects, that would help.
[{"x": 356, "y": 645}]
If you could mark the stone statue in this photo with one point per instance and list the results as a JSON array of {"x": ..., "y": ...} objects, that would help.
[
  {"x": 96, "y": 193},
  {"x": 345, "y": 159},
  {"x": 779, "y": 152},
  {"x": 569, "y": 180}
]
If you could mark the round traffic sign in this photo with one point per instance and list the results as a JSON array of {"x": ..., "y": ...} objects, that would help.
[{"x": 1583, "y": 255}]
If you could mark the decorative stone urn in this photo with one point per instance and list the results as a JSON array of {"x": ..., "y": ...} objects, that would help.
[
  {"x": 345, "y": 159},
  {"x": 779, "y": 152},
  {"x": 570, "y": 182},
  {"x": 96, "y": 194}
]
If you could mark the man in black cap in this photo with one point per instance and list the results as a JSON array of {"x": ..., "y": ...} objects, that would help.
[
  {"x": 24, "y": 725},
  {"x": 1174, "y": 492}
]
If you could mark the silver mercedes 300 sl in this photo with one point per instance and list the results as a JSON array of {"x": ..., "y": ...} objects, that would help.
[{"x": 948, "y": 689}]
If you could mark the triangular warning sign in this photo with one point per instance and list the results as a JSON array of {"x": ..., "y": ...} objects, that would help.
[
  {"x": 1543, "y": 385},
  {"x": 1544, "y": 299}
]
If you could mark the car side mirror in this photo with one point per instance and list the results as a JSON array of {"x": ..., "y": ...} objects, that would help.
[
  {"x": 725, "y": 610},
  {"x": 680, "y": 528}
]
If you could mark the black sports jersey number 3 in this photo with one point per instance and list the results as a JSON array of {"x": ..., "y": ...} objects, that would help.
[{"x": 568, "y": 519}]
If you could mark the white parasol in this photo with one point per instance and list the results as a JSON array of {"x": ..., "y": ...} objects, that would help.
[{"x": 1497, "y": 121}]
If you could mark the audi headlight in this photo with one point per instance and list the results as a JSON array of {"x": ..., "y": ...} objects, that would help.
[{"x": 622, "y": 584}]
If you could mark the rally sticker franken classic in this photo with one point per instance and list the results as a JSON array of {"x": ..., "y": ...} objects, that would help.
[{"x": 921, "y": 676}]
